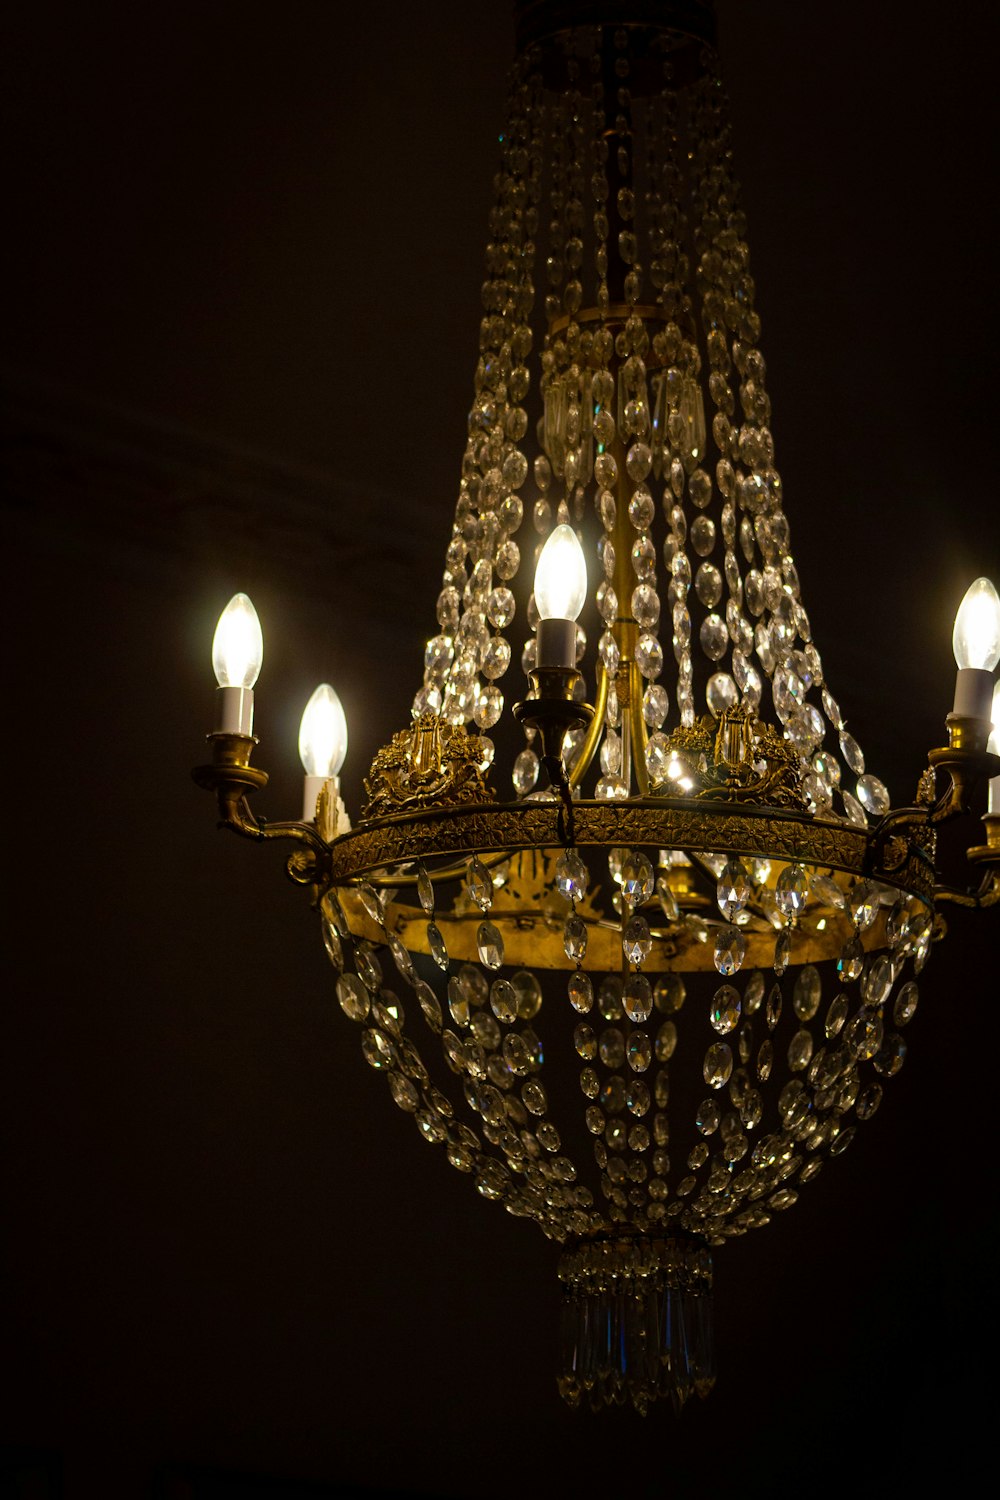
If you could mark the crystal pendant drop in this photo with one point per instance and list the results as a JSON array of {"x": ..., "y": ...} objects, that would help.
[
  {"x": 479, "y": 884},
  {"x": 791, "y": 889},
  {"x": 636, "y": 940},
  {"x": 575, "y": 937},
  {"x": 718, "y": 1066},
  {"x": 636, "y": 879},
  {"x": 782, "y": 951},
  {"x": 425, "y": 891},
  {"x": 730, "y": 950},
  {"x": 724, "y": 1013},
  {"x": 734, "y": 888},
  {"x": 490, "y": 945},
  {"x": 852, "y": 958},
  {"x": 436, "y": 946},
  {"x": 571, "y": 876}
]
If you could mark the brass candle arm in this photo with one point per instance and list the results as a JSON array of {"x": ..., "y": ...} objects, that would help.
[
  {"x": 233, "y": 779},
  {"x": 967, "y": 762}
]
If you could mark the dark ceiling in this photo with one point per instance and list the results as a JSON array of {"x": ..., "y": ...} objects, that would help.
[{"x": 243, "y": 253}]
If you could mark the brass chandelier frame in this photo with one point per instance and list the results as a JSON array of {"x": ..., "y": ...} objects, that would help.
[
  {"x": 463, "y": 819},
  {"x": 720, "y": 789}
]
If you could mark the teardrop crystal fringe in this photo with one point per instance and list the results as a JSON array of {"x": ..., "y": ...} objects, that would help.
[{"x": 636, "y": 1323}]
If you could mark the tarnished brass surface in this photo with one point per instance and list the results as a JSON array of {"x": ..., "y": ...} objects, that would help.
[
  {"x": 230, "y": 755},
  {"x": 552, "y": 710},
  {"x": 988, "y": 893},
  {"x": 594, "y": 730},
  {"x": 903, "y": 847},
  {"x": 988, "y": 853},
  {"x": 721, "y": 758},
  {"x": 433, "y": 763},
  {"x": 966, "y": 734},
  {"x": 668, "y": 824},
  {"x": 232, "y": 778},
  {"x": 966, "y": 761}
]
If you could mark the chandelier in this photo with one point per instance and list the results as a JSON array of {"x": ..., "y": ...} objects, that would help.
[{"x": 626, "y": 921}]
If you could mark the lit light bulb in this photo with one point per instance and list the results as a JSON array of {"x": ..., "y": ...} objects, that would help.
[
  {"x": 993, "y": 745},
  {"x": 976, "y": 641},
  {"x": 560, "y": 590},
  {"x": 976, "y": 638},
  {"x": 323, "y": 746},
  {"x": 323, "y": 734},
  {"x": 561, "y": 576},
  {"x": 237, "y": 653},
  {"x": 238, "y": 647}
]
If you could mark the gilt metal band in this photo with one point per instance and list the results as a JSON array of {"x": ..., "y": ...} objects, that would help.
[{"x": 667, "y": 824}]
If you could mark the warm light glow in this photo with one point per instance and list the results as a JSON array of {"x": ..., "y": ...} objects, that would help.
[
  {"x": 677, "y": 771},
  {"x": 323, "y": 733},
  {"x": 238, "y": 647},
  {"x": 561, "y": 576},
  {"x": 976, "y": 640}
]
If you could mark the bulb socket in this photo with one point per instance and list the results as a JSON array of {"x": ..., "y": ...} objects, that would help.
[
  {"x": 234, "y": 710},
  {"x": 973, "y": 694},
  {"x": 555, "y": 643}
]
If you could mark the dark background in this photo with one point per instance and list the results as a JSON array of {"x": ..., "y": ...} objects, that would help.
[{"x": 243, "y": 251}]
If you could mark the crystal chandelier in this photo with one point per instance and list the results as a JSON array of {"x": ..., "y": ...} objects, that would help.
[{"x": 633, "y": 937}]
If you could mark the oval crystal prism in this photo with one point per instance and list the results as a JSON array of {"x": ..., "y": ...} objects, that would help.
[
  {"x": 724, "y": 1011},
  {"x": 730, "y": 950},
  {"x": 490, "y": 945},
  {"x": 718, "y": 1065},
  {"x": 734, "y": 888}
]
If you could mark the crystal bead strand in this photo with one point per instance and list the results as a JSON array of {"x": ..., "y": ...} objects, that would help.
[
  {"x": 452, "y": 660},
  {"x": 720, "y": 636},
  {"x": 756, "y": 485},
  {"x": 577, "y": 380},
  {"x": 674, "y": 356},
  {"x": 500, "y": 603},
  {"x": 612, "y": 784},
  {"x": 553, "y": 363},
  {"x": 660, "y": 123},
  {"x": 637, "y": 1002},
  {"x": 383, "y": 1045},
  {"x": 634, "y": 426},
  {"x": 727, "y": 302},
  {"x": 554, "y": 382},
  {"x": 655, "y": 702},
  {"x": 502, "y": 468}
]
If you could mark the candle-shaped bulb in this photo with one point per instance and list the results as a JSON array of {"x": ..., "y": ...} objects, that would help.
[
  {"x": 560, "y": 589},
  {"x": 976, "y": 638},
  {"x": 238, "y": 647},
  {"x": 561, "y": 576},
  {"x": 323, "y": 734},
  {"x": 993, "y": 745}
]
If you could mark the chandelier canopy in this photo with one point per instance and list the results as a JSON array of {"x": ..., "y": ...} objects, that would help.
[{"x": 626, "y": 921}]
